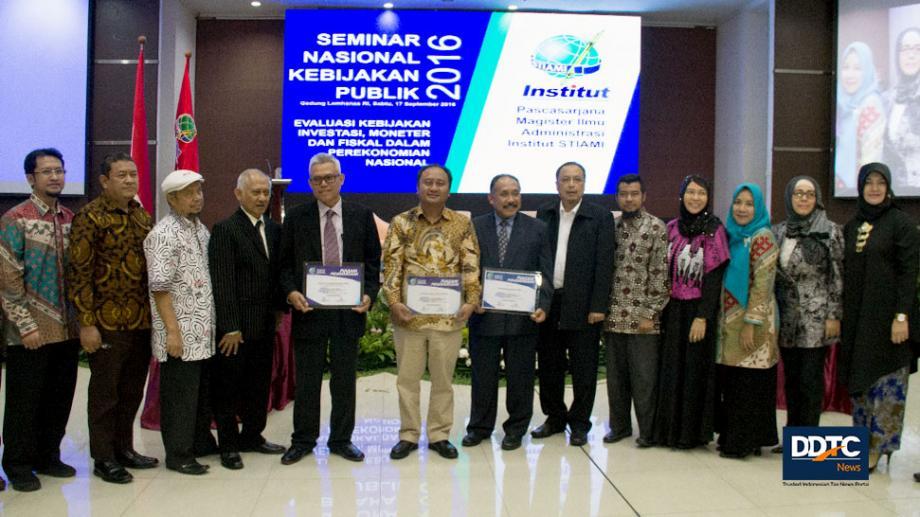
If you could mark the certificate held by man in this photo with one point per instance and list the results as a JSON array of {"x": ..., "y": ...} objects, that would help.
[
  {"x": 333, "y": 287},
  {"x": 430, "y": 295},
  {"x": 505, "y": 290}
]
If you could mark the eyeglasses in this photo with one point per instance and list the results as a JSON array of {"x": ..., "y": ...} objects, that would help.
[
  {"x": 804, "y": 194},
  {"x": 328, "y": 179},
  {"x": 57, "y": 171},
  {"x": 910, "y": 48}
]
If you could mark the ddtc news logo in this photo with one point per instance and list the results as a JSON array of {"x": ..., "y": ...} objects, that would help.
[{"x": 825, "y": 453}]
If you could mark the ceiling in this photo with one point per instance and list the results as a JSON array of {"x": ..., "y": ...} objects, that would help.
[{"x": 654, "y": 12}]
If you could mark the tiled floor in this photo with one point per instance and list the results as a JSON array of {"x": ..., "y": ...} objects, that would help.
[{"x": 545, "y": 477}]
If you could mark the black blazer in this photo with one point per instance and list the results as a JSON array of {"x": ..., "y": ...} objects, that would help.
[
  {"x": 301, "y": 241},
  {"x": 588, "y": 263},
  {"x": 528, "y": 250},
  {"x": 244, "y": 279}
]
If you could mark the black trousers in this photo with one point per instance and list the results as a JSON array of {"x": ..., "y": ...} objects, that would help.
[
  {"x": 39, "y": 393},
  {"x": 632, "y": 376},
  {"x": 560, "y": 350},
  {"x": 184, "y": 417},
  {"x": 240, "y": 388},
  {"x": 116, "y": 389},
  {"x": 804, "y": 383},
  {"x": 486, "y": 354},
  {"x": 309, "y": 362}
]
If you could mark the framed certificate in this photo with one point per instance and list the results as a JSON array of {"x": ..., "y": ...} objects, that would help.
[
  {"x": 333, "y": 287},
  {"x": 506, "y": 290},
  {"x": 434, "y": 295}
]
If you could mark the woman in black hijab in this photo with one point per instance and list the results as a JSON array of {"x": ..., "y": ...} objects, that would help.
[
  {"x": 881, "y": 258},
  {"x": 809, "y": 290}
]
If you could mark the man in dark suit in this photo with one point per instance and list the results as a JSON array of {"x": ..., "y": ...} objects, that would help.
[
  {"x": 332, "y": 231},
  {"x": 243, "y": 255},
  {"x": 582, "y": 236},
  {"x": 507, "y": 240}
]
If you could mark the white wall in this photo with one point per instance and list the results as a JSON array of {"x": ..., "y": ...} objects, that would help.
[
  {"x": 744, "y": 108},
  {"x": 177, "y": 36}
]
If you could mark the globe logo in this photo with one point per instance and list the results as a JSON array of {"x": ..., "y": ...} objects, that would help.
[
  {"x": 566, "y": 56},
  {"x": 185, "y": 128}
]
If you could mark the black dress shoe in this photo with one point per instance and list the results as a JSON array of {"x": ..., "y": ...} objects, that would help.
[
  {"x": 231, "y": 460},
  {"x": 472, "y": 440},
  {"x": 643, "y": 443},
  {"x": 402, "y": 449},
  {"x": 57, "y": 469},
  {"x": 266, "y": 448},
  {"x": 546, "y": 430},
  {"x": 444, "y": 448},
  {"x": 28, "y": 483},
  {"x": 510, "y": 443},
  {"x": 295, "y": 454},
  {"x": 917, "y": 477},
  {"x": 578, "y": 438},
  {"x": 112, "y": 472},
  {"x": 133, "y": 460},
  {"x": 347, "y": 451},
  {"x": 192, "y": 468},
  {"x": 614, "y": 438}
]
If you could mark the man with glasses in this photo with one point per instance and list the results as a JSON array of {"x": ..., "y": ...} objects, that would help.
[
  {"x": 41, "y": 331},
  {"x": 331, "y": 231},
  {"x": 107, "y": 281},
  {"x": 581, "y": 234},
  {"x": 639, "y": 292}
]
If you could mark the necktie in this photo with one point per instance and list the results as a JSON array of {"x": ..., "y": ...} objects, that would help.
[
  {"x": 330, "y": 242},
  {"x": 261, "y": 236},
  {"x": 502, "y": 240}
]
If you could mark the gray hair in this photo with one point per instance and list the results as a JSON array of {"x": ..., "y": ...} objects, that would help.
[
  {"x": 248, "y": 174},
  {"x": 321, "y": 158}
]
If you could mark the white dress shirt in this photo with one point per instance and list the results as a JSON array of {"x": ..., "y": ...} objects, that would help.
[
  {"x": 255, "y": 220},
  {"x": 562, "y": 243}
]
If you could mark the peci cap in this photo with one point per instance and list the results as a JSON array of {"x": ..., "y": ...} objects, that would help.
[{"x": 179, "y": 179}]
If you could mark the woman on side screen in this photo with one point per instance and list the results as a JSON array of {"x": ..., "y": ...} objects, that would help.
[
  {"x": 902, "y": 135},
  {"x": 746, "y": 351},
  {"x": 809, "y": 285},
  {"x": 697, "y": 254},
  {"x": 860, "y": 115},
  {"x": 881, "y": 261}
]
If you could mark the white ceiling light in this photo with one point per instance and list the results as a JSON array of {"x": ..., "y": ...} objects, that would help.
[
  {"x": 512, "y": 7},
  {"x": 255, "y": 3},
  {"x": 388, "y": 5}
]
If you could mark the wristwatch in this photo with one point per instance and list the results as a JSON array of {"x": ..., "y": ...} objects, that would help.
[{"x": 900, "y": 317}]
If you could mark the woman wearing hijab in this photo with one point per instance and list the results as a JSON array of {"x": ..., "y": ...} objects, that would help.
[
  {"x": 882, "y": 258},
  {"x": 697, "y": 254},
  {"x": 902, "y": 138},
  {"x": 809, "y": 285},
  {"x": 746, "y": 351},
  {"x": 860, "y": 116}
]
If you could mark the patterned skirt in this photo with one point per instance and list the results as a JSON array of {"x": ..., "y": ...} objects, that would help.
[{"x": 881, "y": 409}]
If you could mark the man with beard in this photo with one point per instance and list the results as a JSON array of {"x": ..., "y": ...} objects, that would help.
[
  {"x": 41, "y": 362},
  {"x": 638, "y": 294},
  {"x": 183, "y": 319}
]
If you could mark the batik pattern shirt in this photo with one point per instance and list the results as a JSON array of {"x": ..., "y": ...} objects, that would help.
[
  {"x": 177, "y": 263},
  {"x": 34, "y": 239},
  {"x": 416, "y": 247},
  {"x": 107, "y": 274},
  {"x": 640, "y": 288}
]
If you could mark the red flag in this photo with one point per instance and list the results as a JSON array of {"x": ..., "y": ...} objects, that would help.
[
  {"x": 186, "y": 130},
  {"x": 139, "y": 135}
]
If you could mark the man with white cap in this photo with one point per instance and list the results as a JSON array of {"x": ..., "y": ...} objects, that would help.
[{"x": 183, "y": 319}]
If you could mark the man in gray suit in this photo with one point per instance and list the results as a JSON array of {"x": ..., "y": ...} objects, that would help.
[{"x": 507, "y": 240}]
